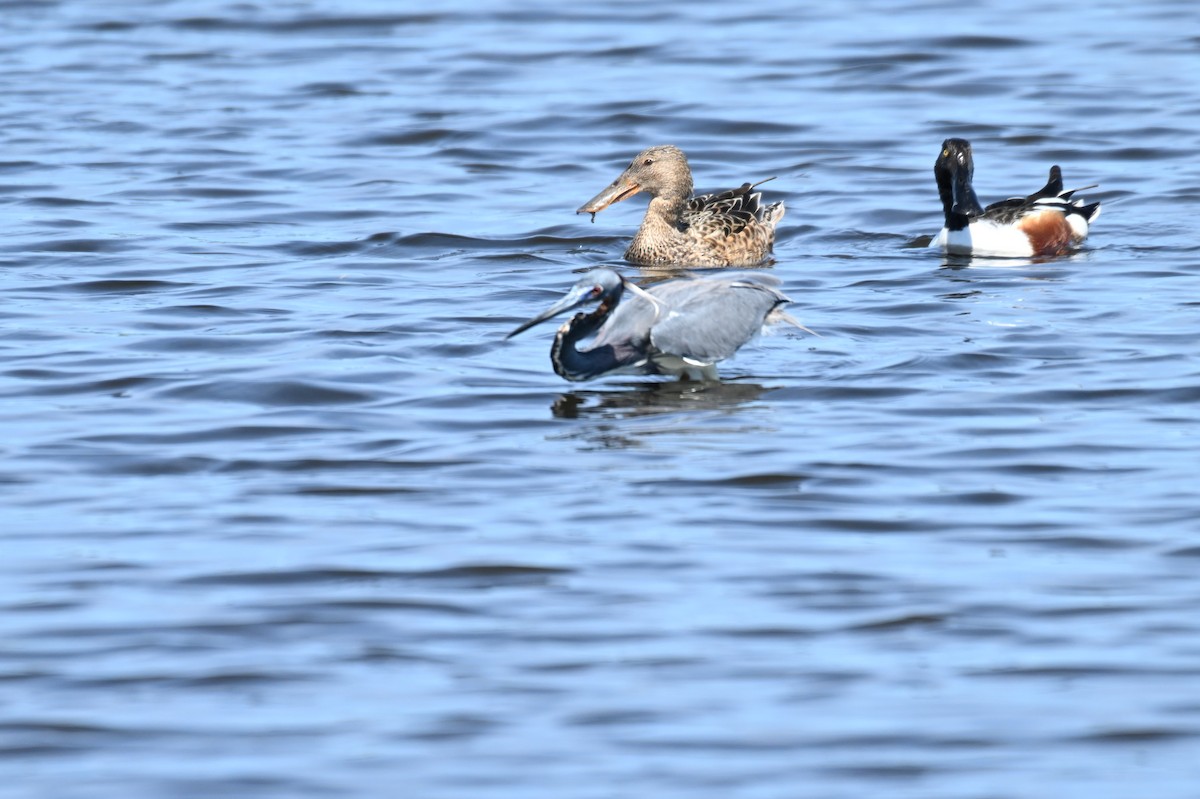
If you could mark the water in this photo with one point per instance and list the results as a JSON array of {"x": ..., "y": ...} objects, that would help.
[{"x": 285, "y": 516}]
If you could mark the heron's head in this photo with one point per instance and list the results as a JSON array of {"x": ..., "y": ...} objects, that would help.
[
  {"x": 598, "y": 285},
  {"x": 658, "y": 171}
]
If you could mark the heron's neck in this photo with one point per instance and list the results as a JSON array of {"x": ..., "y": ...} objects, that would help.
[{"x": 568, "y": 361}]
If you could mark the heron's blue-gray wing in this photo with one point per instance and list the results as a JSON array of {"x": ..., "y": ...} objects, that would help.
[{"x": 708, "y": 319}]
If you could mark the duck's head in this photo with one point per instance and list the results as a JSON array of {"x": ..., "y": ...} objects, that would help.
[
  {"x": 660, "y": 171},
  {"x": 954, "y": 171}
]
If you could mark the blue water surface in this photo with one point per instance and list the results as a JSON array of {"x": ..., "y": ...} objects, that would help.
[{"x": 284, "y": 515}]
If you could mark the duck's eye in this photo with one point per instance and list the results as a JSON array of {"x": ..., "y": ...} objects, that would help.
[
  {"x": 648, "y": 162},
  {"x": 597, "y": 291},
  {"x": 945, "y": 153}
]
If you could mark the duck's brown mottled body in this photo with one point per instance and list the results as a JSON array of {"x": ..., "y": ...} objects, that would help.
[{"x": 731, "y": 228}]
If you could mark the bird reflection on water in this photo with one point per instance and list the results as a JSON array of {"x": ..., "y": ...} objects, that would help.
[
  {"x": 628, "y": 418},
  {"x": 612, "y": 417}
]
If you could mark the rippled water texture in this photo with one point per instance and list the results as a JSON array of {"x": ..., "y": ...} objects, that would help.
[{"x": 285, "y": 516}]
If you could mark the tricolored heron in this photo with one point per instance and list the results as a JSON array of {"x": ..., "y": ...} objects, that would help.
[{"x": 682, "y": 327}]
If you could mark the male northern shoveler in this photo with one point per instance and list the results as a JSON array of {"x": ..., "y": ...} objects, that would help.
[
  {"x": 1047, "y": 222},
  {"x": 729, "y": 228}
]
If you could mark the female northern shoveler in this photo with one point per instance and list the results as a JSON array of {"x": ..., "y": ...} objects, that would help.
[
  {"x": 1047, "y": 222},
  {"x": 730, "y": 228}
]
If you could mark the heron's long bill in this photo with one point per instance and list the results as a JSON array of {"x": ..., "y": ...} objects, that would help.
[
  {"x": 622, "y": 188},
  {"x": 579, "y": 295}
]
